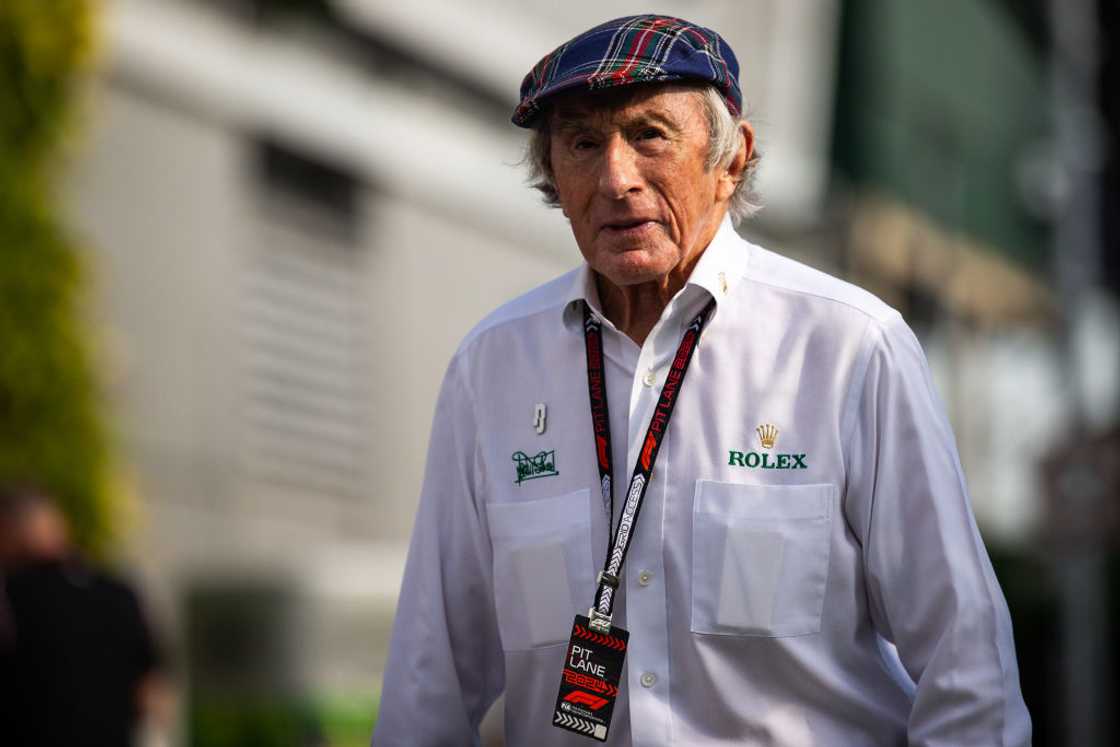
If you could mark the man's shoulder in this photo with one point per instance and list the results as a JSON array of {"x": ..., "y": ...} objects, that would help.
[
  {"x": 844, "y": 308},
  {"x": 787, "y": 275},
  {"x": 549, "y": 297}
]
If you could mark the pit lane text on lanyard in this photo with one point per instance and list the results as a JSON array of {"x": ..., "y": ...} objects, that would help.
[{"x": 596, "y": 650}]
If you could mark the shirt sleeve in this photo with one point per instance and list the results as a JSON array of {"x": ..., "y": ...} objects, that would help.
[
  {"x": 445, "y": 665},
  {"x": 930, "y": 584}
]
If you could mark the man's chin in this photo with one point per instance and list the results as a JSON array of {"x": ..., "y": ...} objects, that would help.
[
  {"x": 624, "y": 274},
  {"x": 634, "y": 261}
]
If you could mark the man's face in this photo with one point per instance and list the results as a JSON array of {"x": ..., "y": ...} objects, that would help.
[{"x": 630, "y": 174}]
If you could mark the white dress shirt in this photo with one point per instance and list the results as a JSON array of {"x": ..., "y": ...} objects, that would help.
[{"x": 826, "y": 588}]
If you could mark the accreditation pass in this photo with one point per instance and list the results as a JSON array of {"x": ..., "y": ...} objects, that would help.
[{"x": 589, "y": 683}]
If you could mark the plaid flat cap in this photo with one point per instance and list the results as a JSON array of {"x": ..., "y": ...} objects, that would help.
[{"x": 634, "y": 49}]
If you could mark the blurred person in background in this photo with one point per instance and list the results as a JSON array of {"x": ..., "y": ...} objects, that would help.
[
  {"x": 78, "y": 661},
  {"x": 806, "y": 569}
]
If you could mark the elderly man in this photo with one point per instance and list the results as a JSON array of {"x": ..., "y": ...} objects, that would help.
[{"x": 793, "y": 560}]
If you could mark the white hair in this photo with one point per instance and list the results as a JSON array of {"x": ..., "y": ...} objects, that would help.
[{"x": 723, "y": 144}]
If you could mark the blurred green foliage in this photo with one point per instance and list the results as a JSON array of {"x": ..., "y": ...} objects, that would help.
[
  {"x": 50, "y": 430},
  {"x": 44, "y": 47},
  {"x": 248, "y": 721},
  {"x": 347, "y": 721}
]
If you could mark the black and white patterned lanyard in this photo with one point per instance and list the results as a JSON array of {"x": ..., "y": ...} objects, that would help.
[{"x": 608, "y": 581}]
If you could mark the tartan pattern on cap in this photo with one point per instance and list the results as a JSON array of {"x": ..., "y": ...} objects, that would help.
[{"x": 634, "y": 49}]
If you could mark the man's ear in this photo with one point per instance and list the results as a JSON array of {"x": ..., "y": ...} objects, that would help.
[{"x": 736, "y": 170}]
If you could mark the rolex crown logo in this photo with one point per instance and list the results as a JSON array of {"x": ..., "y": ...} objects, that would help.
[{"x": 767, "y": 434}]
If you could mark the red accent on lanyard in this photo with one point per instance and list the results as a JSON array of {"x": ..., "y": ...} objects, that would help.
[
  {"x": 601, "y": 448},
  {"x": 647, "y": 451}
]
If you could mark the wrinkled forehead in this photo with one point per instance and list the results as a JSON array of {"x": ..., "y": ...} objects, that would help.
[{"x": 673, "y": 100}]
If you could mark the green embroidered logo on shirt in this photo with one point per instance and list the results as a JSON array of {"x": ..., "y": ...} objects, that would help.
[
  {"x": 754, "y": 460},
  {"x": 767, "y": 436},
  {"x": 532, "y": 467}
]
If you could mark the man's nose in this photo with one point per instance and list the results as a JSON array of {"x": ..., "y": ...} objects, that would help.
[{"x": 618, "y": 172}]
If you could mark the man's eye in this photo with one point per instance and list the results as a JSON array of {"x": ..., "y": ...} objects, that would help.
[
  {"x": 583, "y": 144},
  {"x": 650, "y": 134}
]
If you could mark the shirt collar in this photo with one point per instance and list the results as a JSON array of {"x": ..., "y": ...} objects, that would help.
[{"x": 722, "y": 265}]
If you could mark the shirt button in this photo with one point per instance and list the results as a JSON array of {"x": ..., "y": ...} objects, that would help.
[
  {"x": 649, "y": 679},
  {"x": 649, "y": 378},
  {"x": 644, "y": 578}
]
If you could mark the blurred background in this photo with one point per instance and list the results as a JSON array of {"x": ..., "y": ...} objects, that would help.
[{"x": 241, "y": 239}]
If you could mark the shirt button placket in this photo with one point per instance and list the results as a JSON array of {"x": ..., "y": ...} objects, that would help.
[{"x": 645, "y": 614}]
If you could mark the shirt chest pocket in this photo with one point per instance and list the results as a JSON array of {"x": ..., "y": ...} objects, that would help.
[
  {"x": 542, "y": 567},
  {"x": 760, "y": 558}
]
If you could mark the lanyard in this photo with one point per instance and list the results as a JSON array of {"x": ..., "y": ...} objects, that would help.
[{"x": 600, "y": 614}]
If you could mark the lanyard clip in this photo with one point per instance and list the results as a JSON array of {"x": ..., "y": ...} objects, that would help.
[
  {"x": 599, "y": 622},
  {"x": 609, "y": 579}
]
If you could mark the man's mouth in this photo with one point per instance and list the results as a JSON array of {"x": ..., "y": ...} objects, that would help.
[{"x": 629, "y": 226}]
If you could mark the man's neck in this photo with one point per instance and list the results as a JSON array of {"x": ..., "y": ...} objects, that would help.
[{"x": 635, "y": 309}]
